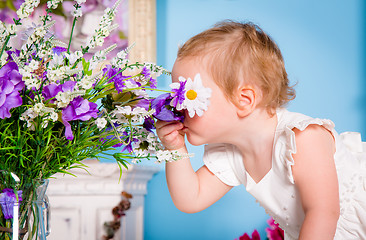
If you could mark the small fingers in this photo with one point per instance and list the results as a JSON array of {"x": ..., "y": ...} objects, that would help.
[
  {"x": 169, "y": 134},
  {"x": 168, "y": 126}
]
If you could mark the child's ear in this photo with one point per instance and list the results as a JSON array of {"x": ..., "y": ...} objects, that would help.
[{"x": 246, "y": 99}]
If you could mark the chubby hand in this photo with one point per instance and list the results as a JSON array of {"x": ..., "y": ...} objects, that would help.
[{"x": 170, "y": 134}]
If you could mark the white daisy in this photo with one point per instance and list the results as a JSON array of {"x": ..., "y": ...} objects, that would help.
[
  {"x": 196, "y": 96},
  {"x": 101, "y": 123}
]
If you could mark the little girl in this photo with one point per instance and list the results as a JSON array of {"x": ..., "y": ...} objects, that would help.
[{"x": 296, "y": 166}]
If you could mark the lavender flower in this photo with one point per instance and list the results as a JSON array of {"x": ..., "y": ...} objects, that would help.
[
  {"x": 10, "y": 85},
  {"x": 149, "y": 124},
  {"x": 153, "y": 83},
  {"x": 178, "y": 94},
  {"x": 144, "y": 103},
  {"x": 7, "y": 201},
  {"x": 50, "y": 91},
  {"x": 58, "y": 50},
  {"x": 78, "y": 109},
  {"x": 129, "y": 145},
  {"x": 68, "y": 86},
  {"x": 146, "y": 73},
  {"x": 115, "y": 77},
  {"x": 161, "y": 105}
]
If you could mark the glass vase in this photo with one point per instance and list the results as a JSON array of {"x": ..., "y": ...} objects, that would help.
[{"x": 33, "y": 214}]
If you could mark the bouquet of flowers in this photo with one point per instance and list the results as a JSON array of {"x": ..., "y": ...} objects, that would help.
[{"x": 59, "y": 107}]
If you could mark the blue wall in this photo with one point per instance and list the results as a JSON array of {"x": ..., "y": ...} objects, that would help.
[{"x": 323, "y": 46}]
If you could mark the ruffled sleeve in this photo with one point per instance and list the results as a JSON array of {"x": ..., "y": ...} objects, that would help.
[
  {"x": 300, "y": 122},
  {"x": 225, "y": 162}
]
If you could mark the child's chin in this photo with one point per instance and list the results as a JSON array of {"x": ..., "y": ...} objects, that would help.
[{"x": 194, "y": 140}]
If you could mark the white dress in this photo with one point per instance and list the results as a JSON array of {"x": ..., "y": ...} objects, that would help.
[{"x": 276, "y": 191}]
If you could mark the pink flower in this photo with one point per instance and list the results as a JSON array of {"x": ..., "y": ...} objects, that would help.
[
  {"x": 274, "y": 232},
  {"x": 255, "y": 236}
]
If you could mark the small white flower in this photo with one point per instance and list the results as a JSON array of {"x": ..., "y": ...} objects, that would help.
[
  {"x": 138, "y": 91},
  {"x": 31, "y": 82},
  {"x": 101, "y": 123},
  {"x": 53, "y": 3},
  {"x": 196, "y": 96},
  {"x": 163, "y": 156},
  {"x": 33, "y": 65},
  {"x": 77, "y": 13},
  {"x": 4, "y": 58},
  {"x": 40, "y": 32},
  {"x": 11, "y": 28},
  {"x": 63, "y": 99},
  {"x": 99, "y": 41},
  {"x": 78, "y": 54},
  {"x": 140, "y": 152},
  {"x": 53, "y": 116},
  {"x": 38, "y": 107},
  {"x": 56, "y": 61},
  {"x": 123, "y": 110},
  {"x": 27, "y": 8},
  {"x": 86, "y": 83}
]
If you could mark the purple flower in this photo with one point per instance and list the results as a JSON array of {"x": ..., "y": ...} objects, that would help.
[
  {"x": 10, "y": 57},
  {"x": 130, "y": 141},
  {"x": 144, "y": 103},
  {"x": 112, "y": 136},
  {"x": 68, "y": 86},
  {"x": 50, "y": 91},
  {"x": 153, "y": 83},
  {"x": 6, "y": 14},
  {"x": 116, "y": 77},
  {"x": 58, "y": 50},
  {"x": 109, "y": 72},
  {"x": 162, "y": 109},
  {"x": 7, "y": 200},
  {"x": 178, "y": 94},
  {"x": 117, "y": 145},
  {"x": 146, "y": 73},
  {"x": 78, "y": 109},
  {"x": 149, "y": 124},
  {"x": 10, "y": 85}
]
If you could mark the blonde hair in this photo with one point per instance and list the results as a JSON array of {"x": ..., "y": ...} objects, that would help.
[{"x": 238, "y": 51}]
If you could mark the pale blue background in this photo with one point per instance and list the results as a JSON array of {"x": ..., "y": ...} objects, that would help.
[{"x": 323, "y": 44}]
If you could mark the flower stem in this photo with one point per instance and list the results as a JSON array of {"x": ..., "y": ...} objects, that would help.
[
  {"x": 4, "y": 46},
  {"x": 8, "y": 225},
  {"x": 72, "y": 31},
  {"x": 158, "y": 90},
  {"x": 145, "y": 88}
]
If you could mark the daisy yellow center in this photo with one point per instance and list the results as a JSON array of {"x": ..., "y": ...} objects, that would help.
[{"x": 191, "y": 94}]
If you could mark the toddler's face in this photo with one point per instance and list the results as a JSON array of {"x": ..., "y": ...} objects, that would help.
[{"x": 215, "y": 124}]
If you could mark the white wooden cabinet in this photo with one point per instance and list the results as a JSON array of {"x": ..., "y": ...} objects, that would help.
[{"x": 80, "y": 205}]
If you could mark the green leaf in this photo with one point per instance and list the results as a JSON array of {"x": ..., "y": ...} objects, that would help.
[{"x": 86, "y": 67}]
